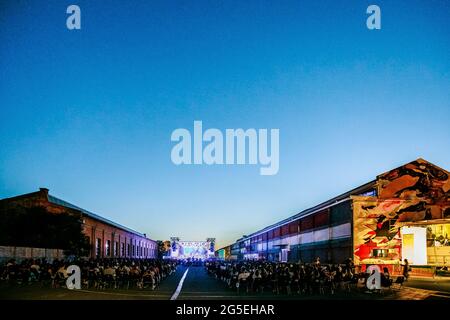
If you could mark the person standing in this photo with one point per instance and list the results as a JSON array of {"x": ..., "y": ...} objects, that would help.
[
  {"x": 406, "y": 269},
  {"x": 317, "y": 262}
]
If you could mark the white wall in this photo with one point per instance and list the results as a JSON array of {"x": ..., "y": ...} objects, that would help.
[{"x": 416, "y": 253}]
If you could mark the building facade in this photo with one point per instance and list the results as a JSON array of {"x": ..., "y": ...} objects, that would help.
[
  {"x": 107, "y": 239},
  {"x": 224, "y": 253},
  {"x": 403, "y": 213}
]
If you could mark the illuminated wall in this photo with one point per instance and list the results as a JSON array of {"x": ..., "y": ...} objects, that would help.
[
  {"x": 414, "y": 244},
  {"x": 415, "y": 192},
  {"x": 224, "y": 253}
]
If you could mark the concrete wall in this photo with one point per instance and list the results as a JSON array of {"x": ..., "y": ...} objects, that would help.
[{"x": 22, "y": 253}]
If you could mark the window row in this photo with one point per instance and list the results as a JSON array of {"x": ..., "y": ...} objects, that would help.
[
  {"x": 336, "y": 215},
  {"x": 114, "y": 249}
]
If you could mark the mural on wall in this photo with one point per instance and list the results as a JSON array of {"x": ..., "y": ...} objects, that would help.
[
  {"x": 423, "y": 182},
  {"x": 376, "y": 227},
  {"x": 414, "y": 192}
]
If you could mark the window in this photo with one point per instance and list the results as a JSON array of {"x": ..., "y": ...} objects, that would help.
[
  {"x": 438, "y": 235},
  {"x": 108, "y": 248},
  {"x": 380, "y": 253},
  {"x": 98, "y": 245},
  {"x": 116, "y": 248},
  {"x": 128, "y": 250},
  {"x": 122, "y": 249},
  {"x": 370, "y": 193}
]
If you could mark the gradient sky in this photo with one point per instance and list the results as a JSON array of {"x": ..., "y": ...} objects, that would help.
[{"x": 89, "y": 113}]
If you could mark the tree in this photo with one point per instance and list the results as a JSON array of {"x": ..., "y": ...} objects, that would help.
[{"x": 37, "y": 227}]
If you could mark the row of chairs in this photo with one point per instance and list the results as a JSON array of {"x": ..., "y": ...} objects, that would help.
[
  {"x": 321, "y": 286},
  {"x": 122, "y": 281}
]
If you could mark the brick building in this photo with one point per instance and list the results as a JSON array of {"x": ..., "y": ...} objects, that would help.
[{"x": 107, "y": 239}]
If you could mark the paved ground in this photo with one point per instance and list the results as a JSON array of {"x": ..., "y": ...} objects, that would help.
[
  {"x": 436, "y": 284},
  {"x": 198, "y": 285},
  {"x": 163, "y": 292}
]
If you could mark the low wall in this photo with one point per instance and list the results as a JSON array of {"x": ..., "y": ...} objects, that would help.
[{"x": 21, "y": 253}]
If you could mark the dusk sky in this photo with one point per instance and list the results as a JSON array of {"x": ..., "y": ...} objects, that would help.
[{"x": 89, "y": 113}]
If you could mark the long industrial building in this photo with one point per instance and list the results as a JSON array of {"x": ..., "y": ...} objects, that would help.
[
  {"x": 107, "y": 239},
  {"x": 403, "y": 213}
]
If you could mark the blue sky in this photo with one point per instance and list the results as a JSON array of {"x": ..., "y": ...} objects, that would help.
[{"x": 89, "y": 113}]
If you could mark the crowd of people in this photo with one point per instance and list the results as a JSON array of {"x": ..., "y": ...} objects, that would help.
[
  {"x": 243, "y": 276},
  {"x": 291, "y": 278},
  {"x": 95, "y": 273}
]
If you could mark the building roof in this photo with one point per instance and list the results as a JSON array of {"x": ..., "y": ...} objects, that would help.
[{"x": 57, "y": 201}]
